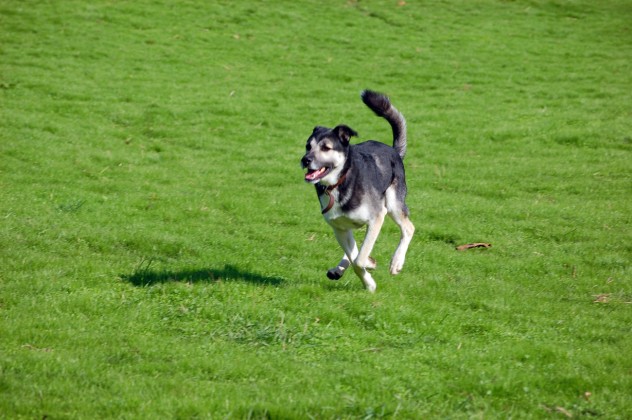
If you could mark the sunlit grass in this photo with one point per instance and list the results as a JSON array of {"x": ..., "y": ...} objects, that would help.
[{"x": 162, "y": 257}]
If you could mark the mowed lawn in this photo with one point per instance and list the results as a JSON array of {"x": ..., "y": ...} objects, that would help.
[{"x": 162, "y": 257}]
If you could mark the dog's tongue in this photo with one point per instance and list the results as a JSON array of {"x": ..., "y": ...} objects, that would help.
[{"x": 312, "y": 175}]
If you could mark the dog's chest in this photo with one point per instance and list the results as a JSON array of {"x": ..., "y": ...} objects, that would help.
[{"x": 340, "y": 219}]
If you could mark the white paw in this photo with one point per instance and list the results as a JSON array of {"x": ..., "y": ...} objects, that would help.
[
  {"x": 370, "y": 285},
  {"x": 396, "y": 265},
  {"x": 367, "y": 279}
]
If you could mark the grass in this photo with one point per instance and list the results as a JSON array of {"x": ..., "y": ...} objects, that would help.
[{"x": 162, "y": 257}]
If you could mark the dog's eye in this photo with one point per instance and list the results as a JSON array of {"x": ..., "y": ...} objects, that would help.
[
  {"x": 325, "y": 148},
  {"x": 308, "y": 147}
]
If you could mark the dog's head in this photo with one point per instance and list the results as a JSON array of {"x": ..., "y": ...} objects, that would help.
[{"x": 325, "y": 153}]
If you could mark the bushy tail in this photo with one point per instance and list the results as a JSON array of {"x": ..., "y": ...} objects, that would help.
[{"x": 381, "y": 105}]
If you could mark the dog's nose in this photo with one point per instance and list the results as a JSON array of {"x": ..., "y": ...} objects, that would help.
[{"x": 306, "y": 161}]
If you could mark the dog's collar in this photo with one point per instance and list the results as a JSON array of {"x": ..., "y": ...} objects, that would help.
[{"x": 328, "y": 191}]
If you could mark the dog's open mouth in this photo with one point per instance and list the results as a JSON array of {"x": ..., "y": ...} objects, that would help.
[{"x": 313, "y": 175}]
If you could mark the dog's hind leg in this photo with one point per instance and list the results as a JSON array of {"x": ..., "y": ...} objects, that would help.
[
  {"x": 399, "y": 213},
  {"x": 407, "y": 228}
]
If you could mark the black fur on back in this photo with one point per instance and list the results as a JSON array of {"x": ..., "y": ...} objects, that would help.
[{"x": 372, "y": 168}]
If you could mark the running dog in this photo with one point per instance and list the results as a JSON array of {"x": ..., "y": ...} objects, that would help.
[{"x": 359, "y": 185}]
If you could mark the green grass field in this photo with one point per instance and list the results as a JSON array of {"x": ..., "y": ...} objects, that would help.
[{"x": 162, "y": 257}]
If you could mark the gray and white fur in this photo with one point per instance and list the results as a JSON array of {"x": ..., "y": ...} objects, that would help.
[{"x": 359, "y": 185}]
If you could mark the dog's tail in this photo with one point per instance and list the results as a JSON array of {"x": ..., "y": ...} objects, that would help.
[{"x": 381, "y": 105}]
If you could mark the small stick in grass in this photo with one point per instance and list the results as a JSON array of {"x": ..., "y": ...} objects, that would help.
[{"x": 476, "y": 245}]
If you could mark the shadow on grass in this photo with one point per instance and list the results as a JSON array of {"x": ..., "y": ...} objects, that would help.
[{"x": 147, "y": 277}]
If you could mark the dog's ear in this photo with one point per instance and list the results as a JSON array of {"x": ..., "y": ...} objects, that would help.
[{"x": 345, "y": 133}]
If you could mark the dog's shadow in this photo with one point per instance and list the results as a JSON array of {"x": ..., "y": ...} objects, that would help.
[{"x": 147, "y": 277}]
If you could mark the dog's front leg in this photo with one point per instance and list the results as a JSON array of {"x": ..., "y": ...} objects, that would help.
[
  {"x": 348, "y": 244},
  {"x": 336, "y": 272},
  {"x": 364, "y": 259}
]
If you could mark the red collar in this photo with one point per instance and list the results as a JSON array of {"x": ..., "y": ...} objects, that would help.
[{"x": 328, "y": 191}]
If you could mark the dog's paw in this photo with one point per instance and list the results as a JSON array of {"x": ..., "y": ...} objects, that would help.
[
  {"x": 397, "y": 263},
  {"x": 396, "y": 266},
  {"x": 367, "y": 279},
  {"x": 335, "y": 273},
  {"x": 369, "y": 283}
]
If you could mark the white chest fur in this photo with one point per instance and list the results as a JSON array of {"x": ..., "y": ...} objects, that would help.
[{"x": 338, "y": 219}]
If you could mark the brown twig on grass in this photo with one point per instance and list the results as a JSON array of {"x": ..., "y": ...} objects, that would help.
[{"x": 476, "y": 245}]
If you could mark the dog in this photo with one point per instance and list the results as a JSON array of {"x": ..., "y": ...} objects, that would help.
[{"x": 359, "y": 185}]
